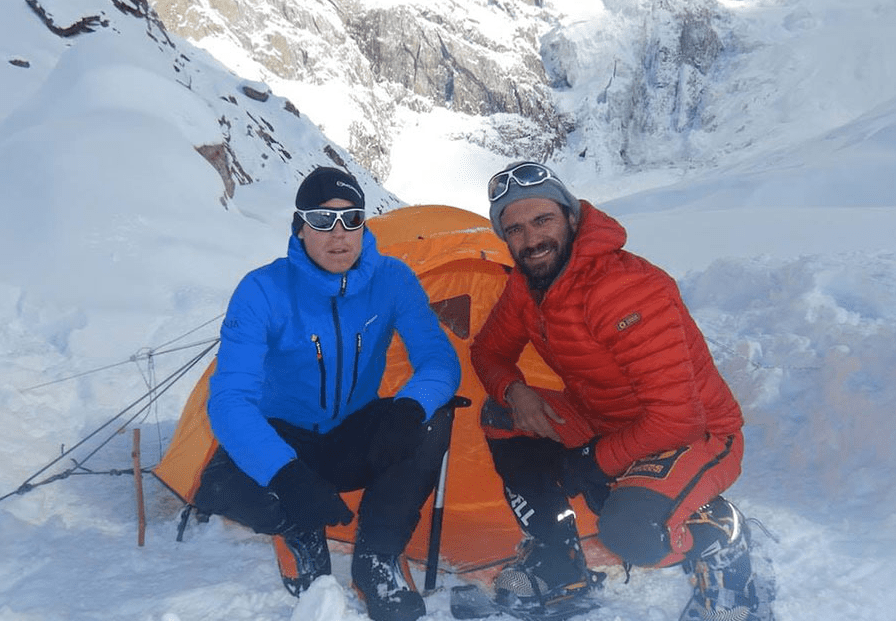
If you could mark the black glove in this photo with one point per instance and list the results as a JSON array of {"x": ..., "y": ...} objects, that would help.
[
  {"x": 308, "y": 501},
  {"x": 398, "y": 431},
  {"x": 582, "y": 475}
]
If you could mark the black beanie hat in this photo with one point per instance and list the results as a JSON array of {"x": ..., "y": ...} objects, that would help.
[{"x": 325, "y": 183}]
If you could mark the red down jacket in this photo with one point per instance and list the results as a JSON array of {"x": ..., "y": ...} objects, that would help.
[{"x": 635, "y": 366}]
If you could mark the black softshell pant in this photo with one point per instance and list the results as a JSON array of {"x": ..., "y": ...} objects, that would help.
[
  {"x": 531, "y": 469},
  {"x": 392, "y": 499}
]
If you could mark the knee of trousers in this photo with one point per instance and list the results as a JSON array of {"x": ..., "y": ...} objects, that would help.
[
  {"x": 633, "y": 525},
  {"x": 226, "y": 490}
]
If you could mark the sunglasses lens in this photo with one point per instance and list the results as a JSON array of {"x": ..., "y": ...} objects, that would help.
[
  {"x": 530, "y": 174},
  {"x": 498, "y": 185},
  {"x": 320, "y": 219},
  {"x": 352, "y": 219}
]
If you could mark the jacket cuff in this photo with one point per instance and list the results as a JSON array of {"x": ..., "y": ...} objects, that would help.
[{"x": 503, "y": 386}]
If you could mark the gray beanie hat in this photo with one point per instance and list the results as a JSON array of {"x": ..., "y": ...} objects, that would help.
[{"x": 551, "y": 188}]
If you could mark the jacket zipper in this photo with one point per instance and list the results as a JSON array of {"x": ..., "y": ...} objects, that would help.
[
  {"x": 355, "y": 366},
  {"x": 337, "y": 398},
  {"x": 323, "y": 371},
  {"x": 543, "y": 328}
]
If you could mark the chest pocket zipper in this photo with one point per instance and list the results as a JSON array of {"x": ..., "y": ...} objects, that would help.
[
  {"x": 351, "y": 390},
  {"x": 323, "y": 371}
]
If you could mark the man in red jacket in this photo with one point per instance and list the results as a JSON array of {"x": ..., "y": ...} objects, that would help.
[{"x": 646, "y": 429}]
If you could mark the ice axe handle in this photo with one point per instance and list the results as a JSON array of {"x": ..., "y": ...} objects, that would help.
[{"x": 438, "y": 506}]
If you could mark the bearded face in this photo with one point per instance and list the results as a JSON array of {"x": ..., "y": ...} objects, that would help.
[
  {"x": 543, "y": 263},
  {"x": 539, "y": 236}
]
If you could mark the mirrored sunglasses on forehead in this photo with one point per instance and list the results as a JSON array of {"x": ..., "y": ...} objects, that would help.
[
  {"x": 325, "y": 219},
  {"x": 525, "y": 175}
]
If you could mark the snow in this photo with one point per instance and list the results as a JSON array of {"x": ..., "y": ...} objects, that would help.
[{"x": 116, "y": 257}]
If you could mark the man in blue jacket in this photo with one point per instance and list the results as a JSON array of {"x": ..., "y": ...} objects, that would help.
[{"x": 294, "y": 404}]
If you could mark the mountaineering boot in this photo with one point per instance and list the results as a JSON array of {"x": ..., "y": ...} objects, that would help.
[
  {"x": 382, "y": 584},
  {"x": 545, "y": 572},
  {"x": 726, "y": 585},
  {"x": 302, "y": 558}
]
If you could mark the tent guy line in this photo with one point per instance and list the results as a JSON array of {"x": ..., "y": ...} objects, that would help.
[
  {"x": 148, "y": 354},
  {"x": 153, "y": 395}
]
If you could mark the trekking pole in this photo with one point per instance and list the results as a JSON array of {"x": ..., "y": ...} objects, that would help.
[{"x": 438, "y": 505}]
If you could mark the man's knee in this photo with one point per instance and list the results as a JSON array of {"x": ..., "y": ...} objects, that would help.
[
  {"x": 226, "y": 490},
  {"x": 523, "y": 460},
  {"x": 633, "y": 525}
]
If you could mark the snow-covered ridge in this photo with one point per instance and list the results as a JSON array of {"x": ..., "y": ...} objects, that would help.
[{"x": 609, "y": 87}]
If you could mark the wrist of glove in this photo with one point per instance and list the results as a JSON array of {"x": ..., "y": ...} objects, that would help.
[
  {"x": 308, "y": 501},
  {"x": 398, "y": 429},
  {"x": 581, "y": 474}
]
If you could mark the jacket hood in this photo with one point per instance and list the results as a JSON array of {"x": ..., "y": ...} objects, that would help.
[
  {"x": 599, "y": 233},
  {"x": 331, "y": 284},
  {"x": 599, "y": 236}
]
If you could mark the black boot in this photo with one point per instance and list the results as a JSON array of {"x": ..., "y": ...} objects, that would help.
[
  {"x": 726, "y": 585},
  {"x": 380, "y": 581},
  {"x": 311, "y": 555},
  {"x": 545, "y": 571}
]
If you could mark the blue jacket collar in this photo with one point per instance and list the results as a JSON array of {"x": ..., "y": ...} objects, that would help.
[{"x": 330, "y": 284}]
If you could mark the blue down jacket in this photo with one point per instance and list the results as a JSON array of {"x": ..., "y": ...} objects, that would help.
[{"x": 309, "y": 347}]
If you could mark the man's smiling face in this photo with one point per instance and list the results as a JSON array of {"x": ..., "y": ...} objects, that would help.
[{"x": 539, "y": 236}]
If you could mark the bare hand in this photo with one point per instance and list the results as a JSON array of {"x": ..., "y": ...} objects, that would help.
[{"x": 531, "y": 412}]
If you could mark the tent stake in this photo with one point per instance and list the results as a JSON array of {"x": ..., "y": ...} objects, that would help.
[{"x": 138, "y": 485}]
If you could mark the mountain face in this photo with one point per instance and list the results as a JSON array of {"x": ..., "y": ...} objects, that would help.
[
  {"x": 248, "y": 134},
  {"x": 621, "y": 86},
  {"x": 536, "y": 80},
  {"x": 405, "y": 55}
]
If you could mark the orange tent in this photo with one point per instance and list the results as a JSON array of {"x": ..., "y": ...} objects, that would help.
[{"x": 463, "y": 267}]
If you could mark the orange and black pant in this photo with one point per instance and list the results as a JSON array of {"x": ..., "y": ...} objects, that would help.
[{"x": 644, "y": 518}]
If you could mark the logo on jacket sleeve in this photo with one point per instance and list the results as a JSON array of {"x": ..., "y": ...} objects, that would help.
[{"x": 628, "y": 321}]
